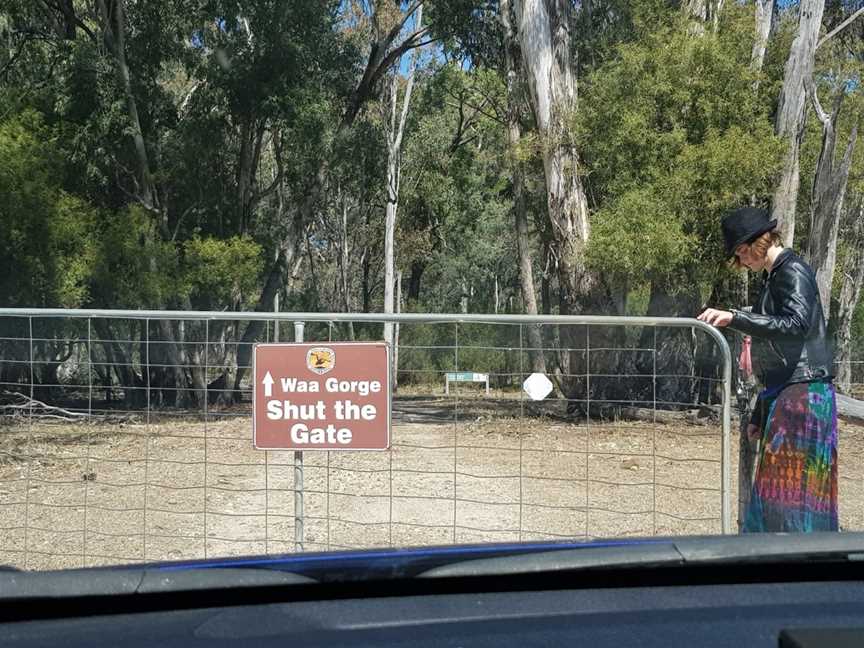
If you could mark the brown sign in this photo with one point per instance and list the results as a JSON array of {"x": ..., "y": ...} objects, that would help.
[{"x": 321, "y": 396}]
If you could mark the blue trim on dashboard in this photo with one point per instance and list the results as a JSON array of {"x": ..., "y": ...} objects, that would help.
[{"x": 394, "y": 555}]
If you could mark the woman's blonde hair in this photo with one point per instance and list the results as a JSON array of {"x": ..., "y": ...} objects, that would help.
[{"x": 760, "y": 245}]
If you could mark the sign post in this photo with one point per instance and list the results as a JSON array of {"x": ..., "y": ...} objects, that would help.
[
  {"x": 320, "y": 396},
  {"x": 299, "y": 505}
]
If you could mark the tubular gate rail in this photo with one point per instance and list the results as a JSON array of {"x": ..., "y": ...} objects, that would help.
[{"x": 125, "y": 436}]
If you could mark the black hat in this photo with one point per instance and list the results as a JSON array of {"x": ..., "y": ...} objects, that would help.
[{"x": 744, "y": 225}]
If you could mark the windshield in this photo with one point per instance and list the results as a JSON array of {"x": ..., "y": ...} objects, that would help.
[{"x": 310, "y": 276}]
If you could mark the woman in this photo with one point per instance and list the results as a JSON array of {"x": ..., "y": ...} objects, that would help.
[{"x": 795, "y": 483}]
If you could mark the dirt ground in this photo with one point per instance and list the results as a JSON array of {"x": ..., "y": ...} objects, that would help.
[{"x": 75, "y": 495}]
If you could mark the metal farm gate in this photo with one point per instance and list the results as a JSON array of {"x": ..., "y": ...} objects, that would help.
[{"x": 125, "y": 436}]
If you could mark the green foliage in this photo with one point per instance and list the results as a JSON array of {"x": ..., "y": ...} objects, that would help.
[
  {"x": 429, "y": 350},
  {"x": 455, "y": 215},
  {"x": 673, "y": 134},
  {"x": 469, "y": 30},
  {"x": 70, "y": 243},
  {"x": 672, "y": 128},
  {"x": 48, "y": 251},
  {"x": 608, "y": 23},
  {"x": 222, "y": 271},
  {"x": 135, "y": 268},
  {"x": 638, "y": 235}
]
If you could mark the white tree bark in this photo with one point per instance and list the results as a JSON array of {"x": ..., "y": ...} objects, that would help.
[
  {"x": 395, "y": 130},
  {"x": 396, "y": 332},
  {"x": 463, "y": 299},
  {"x": 345, "y": 263},
  {"x": 497, "y": 296},
  {"x": 826, "y": 203},
  {"x": 703, "y": 12},
  {"x": 765, "y": 21},
  {"x": 514, "y": 135},
  {"x": 716, "y": 17},
  {"x": 544, "y": 38},
  {"x": 698, "y": 11},
  {"x": 791, "y": 113}
]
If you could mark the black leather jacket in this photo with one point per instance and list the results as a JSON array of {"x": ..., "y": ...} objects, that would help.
[{"x": 790, "y": 339}]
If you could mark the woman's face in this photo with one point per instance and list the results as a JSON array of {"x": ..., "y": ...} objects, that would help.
[{"x": 748, "y": 258}]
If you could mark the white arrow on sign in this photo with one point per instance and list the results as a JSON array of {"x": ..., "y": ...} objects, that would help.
[{"x": 268, "y": 381}]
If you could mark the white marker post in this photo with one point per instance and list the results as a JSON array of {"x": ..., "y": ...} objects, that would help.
[{"x": 537, "y": 386}]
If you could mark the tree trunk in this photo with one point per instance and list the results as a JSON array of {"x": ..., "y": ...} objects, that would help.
[
  {"x": 175, "y": 361},
  {"x": 394, "y": 133},
  {"x": 791, "y": 113},
  {"x": 672, "y": 361},
  {"x": 544, "y": 38},
  {"x": 113, "y": 26},
  {"x": 766, "y": 12},
  {"x": 396, "y": 332},
  {"x": 221, "y": 390},
  {"x": 251, "y": 140},
  {"x": 850, "y": 294},
  {"x": 199, "y": 360},
  {"x": 826, "y": 202},
  {"x": 367, "y": 288},
  {"x": 463, "y": 296},
  {"x": 286, "y": 257},
  {"x": 70, "y": 22},
  {"x": 514, "y": 135},
  {"x": 702, "y": 12},
  {"x": 546, "y": 281},
  {"x": 344, "y": 268},
  {"x": 390, "y": 235},
  {"x": 383, "y": 57},
  {"x": 697, "y": 9},
  {"x": 417, "y": 269},
  {"x": 113, "y": 33},
  {"x": 128, "y": 380}
]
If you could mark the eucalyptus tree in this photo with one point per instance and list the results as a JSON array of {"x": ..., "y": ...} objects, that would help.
[
  {"x": 828, "y": 194},
  {"x": 790, "y": 116},
  {"x": 766, "y": 23},
  {"x": 394, "y": 121}
]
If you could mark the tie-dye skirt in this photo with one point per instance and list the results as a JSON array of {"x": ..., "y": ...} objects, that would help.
[{"x": 795, "y": 483}]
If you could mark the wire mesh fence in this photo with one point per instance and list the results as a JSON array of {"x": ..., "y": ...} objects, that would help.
[
  {"x": 126, "y": 437},
  {"x": 850, "y": 379},
  {"x": 850, "y": 376}
]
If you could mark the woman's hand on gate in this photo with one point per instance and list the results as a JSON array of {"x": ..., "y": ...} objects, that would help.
[{"x": 714, "y": 317}]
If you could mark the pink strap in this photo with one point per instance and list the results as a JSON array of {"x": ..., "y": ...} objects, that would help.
[{"x": 744, "y": 361}]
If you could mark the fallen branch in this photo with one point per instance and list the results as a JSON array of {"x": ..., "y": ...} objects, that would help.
[
  {"x": 850, "y": 409},
  {"x": 37, "y": 408},
  {"x": 701, "y": 416},
  {"x": 22, "y": 405}
]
